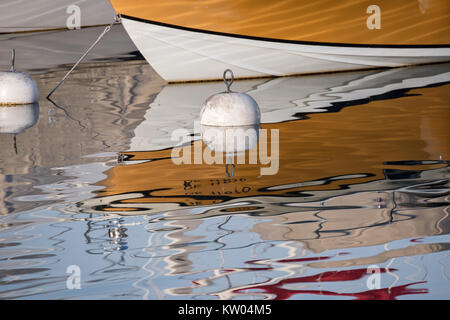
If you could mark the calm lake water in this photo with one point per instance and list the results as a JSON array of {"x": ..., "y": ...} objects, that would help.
[{"x": 88, "y": 183}]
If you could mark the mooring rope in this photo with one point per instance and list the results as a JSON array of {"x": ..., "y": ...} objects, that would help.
[{"x": 107, "y": 29}]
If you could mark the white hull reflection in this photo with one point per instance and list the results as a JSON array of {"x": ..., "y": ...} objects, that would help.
[{"x": 280, "y": 100}]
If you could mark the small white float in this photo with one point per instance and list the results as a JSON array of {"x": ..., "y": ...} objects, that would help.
[
  {"x": 17, "y": 88},
  {"x": 230, "y": 108}
]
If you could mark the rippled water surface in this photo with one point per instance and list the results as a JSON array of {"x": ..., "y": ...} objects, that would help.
[{"x": 362, "y": 184}]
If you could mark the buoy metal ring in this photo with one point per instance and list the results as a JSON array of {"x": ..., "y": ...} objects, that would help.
[{"x": 228, "y": 84}]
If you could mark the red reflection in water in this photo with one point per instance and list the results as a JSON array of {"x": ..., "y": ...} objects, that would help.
[
  {"x": 281, "y": 293},
  {"x": 377, "y": 294},
  {"x": 344, "y": 275}
]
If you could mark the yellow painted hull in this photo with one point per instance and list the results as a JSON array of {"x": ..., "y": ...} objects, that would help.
[
  {"x": 197, "y": 40},
  {"x": 402, "y": 22}
]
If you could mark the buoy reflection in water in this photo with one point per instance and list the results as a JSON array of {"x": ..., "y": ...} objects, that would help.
[
  {"x": 230, "y": 142},
  {"x": 18, "y": 118}
]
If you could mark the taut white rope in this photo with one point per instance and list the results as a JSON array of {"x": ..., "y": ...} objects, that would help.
[{"x": 107, "y": 29}]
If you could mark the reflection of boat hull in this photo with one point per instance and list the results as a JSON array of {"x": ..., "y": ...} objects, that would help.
[
  {"x": 328, "y": 154},
  {"x": 280, "y": 99},
  {"x": 202, "y": 43}
]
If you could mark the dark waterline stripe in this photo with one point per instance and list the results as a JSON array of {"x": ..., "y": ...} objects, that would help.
[{"x": 332, "y": 44}]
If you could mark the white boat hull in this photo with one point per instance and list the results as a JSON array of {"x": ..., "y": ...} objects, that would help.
[{"x": 184, "y": 55}]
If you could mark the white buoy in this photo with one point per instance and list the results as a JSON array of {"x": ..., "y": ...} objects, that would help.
[
  {"x": 17, "y": 88},
  {"x": 230, "y": 108}
]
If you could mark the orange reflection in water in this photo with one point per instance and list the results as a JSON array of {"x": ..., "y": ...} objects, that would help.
[{"x": 327, "y": 151}]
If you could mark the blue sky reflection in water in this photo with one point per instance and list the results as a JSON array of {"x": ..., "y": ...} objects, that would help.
[{"x": 363, "y": 180}]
